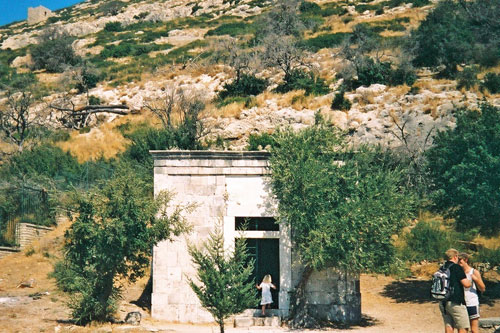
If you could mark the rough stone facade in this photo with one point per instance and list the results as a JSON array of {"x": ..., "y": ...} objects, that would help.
[
  {"x": 225, "y": 185},
  {"x": 26, "y": 233},
  {"x": 38, "y": 14}
]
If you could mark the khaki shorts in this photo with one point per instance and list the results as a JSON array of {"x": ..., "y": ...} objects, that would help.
[{"x": 455, "y": 315}]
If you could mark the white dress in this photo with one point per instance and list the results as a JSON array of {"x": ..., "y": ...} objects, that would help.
[{"x": 267, "y": 298}]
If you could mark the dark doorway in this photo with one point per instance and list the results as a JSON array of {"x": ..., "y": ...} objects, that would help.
[{"x": 265, "y": 252}]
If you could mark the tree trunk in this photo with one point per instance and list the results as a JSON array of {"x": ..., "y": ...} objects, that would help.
[
  {"x": 299, "y": 309},
  {"x": 221, "y": 325}
]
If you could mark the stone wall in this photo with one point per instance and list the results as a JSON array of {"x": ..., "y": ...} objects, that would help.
[
  {"x": 334, "y": 296},
  {"x": 206, "y": 179},
  {"x": 5, "y": 251},
  {"x": 38, "y": 14},
  {"x": 27, "y": 233}
]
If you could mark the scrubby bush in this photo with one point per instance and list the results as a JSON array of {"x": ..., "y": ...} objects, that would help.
[
  {"x": 403, "y": 74},
  {"x": 94, "y": 100},
  {"x": 232, "y": 29},
  {"x": 324, "y": 41},
  {"x": 491, "y": 83},
  {"x": 491, "y": 256},
  {"x": 260, "y": 141},
  {"x": 487, "y": 55},
  {"x": 468, "y": 77},
  {"x": 340, "y": 102},
  {"x": 332, "y": 8},
  {"x": 443, "y": 38},
  {"x": 127, "y": 48},
  {"x": 111, "y": 8},
  {"x": 246, "y": 85},
  {"x": 113, "y": 26},
  {"x": 54, "y": 53},
  {"x": 311, "y": 8},
  {"x": 428, "y": 241},
  {"x": 87, "y": 79},
  {"x": 370, "y": 72},
  {"x": 43, "y": 160},
  {"x": 299, "y": 79},
  {"x": 247, "y": 101}
]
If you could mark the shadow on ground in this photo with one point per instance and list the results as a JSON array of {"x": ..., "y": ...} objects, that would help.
[
  {"x": 366, "y": 321},
  {"x": 144, "y": 301},
  {"x": 409, "y": 291},
  {"x": 491, "y": 294},
  {"x": 418, "y": 291}
]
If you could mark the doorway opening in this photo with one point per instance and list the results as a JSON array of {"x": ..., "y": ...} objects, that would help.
[{"x": 265, "y": 253}]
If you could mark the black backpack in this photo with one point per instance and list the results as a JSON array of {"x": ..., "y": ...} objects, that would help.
[{"x": 441, "y": 288}]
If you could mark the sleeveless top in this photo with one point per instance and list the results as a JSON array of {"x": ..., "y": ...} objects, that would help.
[{"x": 470, "y": 294}]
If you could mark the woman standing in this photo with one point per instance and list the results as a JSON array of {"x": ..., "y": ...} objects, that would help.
[{"x": 471, "y": 294}]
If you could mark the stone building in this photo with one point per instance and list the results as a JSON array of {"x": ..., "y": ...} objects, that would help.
[
  {"x": 38, "y": 14},
  {"x": 230, "y": 188}
]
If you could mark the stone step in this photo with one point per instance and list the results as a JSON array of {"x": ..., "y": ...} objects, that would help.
[
  {"x": 248, "y": 321},
  {"x": 489, "y": 322}
]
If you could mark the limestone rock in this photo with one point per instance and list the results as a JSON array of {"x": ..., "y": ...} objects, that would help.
[{"x": 133, "y": 318}]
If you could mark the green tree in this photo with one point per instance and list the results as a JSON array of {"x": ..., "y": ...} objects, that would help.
[
  {"x": 54, "y": 52},
  {"x": 444, "y": 38},
  {"x": 464, "y": 164},
  {"x": 225, "y": 288},
  {"x": 342, "y": 205},
  {"x": 110, "y": 241}
]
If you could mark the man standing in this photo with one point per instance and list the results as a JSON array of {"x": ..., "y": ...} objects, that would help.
[{"x": 454, "y": 310}]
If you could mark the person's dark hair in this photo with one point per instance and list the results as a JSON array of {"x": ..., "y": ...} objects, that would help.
[{"x": 464, "y": 256}]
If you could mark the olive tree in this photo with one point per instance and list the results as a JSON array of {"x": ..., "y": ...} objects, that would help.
[{"x": 342, "y": 205}]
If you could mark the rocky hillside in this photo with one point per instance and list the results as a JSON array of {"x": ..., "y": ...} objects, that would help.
[{"x": 140, "y": 50}]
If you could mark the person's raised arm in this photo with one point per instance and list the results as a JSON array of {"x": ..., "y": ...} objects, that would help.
[
  {"x": 466, "y": 283},
  {"x": 258, "y": 287},
  {"x": 478, "y": 280}
]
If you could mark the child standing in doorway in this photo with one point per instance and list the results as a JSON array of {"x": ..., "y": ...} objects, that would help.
[{"x": 267, "y": 298}]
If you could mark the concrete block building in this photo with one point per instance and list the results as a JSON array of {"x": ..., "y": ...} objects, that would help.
[{"x": 231, "y": 188}]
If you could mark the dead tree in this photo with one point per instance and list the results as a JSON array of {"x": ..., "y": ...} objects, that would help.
[
  {"x": 179, "y": 113},
  {"x": 176, "y": 102},
  {"x": 77, "y": 117},
  {"x": 17, "y": 117},
  {"x": 226, "y": 50}
]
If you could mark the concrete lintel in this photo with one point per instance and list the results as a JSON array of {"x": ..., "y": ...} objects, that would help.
[{"x": 208, "y": 155}]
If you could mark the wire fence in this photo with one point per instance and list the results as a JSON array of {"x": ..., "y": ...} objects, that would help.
[{"x": 27, "y": 204}]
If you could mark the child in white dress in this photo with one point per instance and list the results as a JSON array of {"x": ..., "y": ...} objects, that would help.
[{"x": 267, "y": 298}]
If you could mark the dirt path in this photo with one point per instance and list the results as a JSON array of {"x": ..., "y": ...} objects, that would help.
[{"x": 388, "y": 305}]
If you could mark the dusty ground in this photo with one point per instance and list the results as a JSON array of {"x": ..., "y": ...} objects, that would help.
[{"x": 388, "y": 305}]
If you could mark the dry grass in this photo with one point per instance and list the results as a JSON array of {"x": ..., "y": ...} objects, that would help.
[
  {"x": 103, "y": 141},
  {"x": 266, "y": 96},
  {"x": 435, "y": 85},
  {"x": 400, "y": 90},
  {"x": 299, "y": 101},
  {"x": 489, "y": 242},
  {"x": 232, "y": 110}
]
